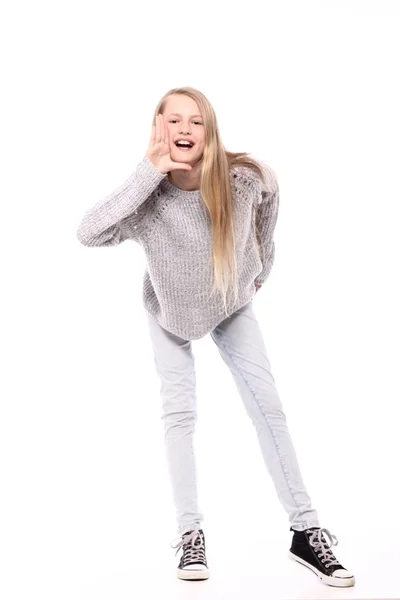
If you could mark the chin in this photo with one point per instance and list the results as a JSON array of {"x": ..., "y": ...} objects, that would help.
[{"x": 181, "y": 156}]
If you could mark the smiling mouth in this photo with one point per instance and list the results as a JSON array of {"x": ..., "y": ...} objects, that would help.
[{"x": 184, "y": 146}]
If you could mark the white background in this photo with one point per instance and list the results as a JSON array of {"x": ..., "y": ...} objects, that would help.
[{"x": 311, "y": 88}]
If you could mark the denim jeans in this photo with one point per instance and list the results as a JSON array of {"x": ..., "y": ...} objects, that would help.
[{"x": 240, "y": 343}]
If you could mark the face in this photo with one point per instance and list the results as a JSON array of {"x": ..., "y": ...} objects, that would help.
[{"x": 183, "y": 119}]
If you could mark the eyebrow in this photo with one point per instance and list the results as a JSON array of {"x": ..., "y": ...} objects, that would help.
[{"x": 179, "y": 115}]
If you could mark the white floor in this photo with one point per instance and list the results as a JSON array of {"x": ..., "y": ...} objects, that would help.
[{"x": 269, "y": 575}]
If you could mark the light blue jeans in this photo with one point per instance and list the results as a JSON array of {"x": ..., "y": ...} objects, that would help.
[{"x": 240, "y": 343}]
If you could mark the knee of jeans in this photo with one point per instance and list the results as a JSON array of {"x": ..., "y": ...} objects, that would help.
[{"x": 174, "y": 416}]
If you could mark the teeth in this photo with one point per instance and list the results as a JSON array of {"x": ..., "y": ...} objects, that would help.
[{"x": 184, "y": 143}]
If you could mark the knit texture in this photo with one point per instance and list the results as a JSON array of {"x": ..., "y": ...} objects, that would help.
[{"x": 173, "y": 227}]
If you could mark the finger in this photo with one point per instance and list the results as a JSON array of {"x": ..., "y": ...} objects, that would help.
[
  {"x": 183, "y": 166},
  {"x": 153, "y": 135},
  {"x": 161, "y": 128},
  {"x": 167, "y": 135},
  {"x": 165, "y": 131},
  {"x": 158, "y": 129}
]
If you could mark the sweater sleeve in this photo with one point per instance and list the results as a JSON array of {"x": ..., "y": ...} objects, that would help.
[
  {"x": 267, "y": 207},
  {"x": 121, "y": 214}
]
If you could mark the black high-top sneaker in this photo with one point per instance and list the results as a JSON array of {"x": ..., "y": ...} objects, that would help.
[
  {"x": 311, "y": 549},
  {"x": 193, "y": 563}
]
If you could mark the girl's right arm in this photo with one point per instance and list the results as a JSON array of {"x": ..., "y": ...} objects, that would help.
[{"x": 102, "y": 224}]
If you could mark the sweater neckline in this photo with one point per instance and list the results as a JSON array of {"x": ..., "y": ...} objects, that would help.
[{"x": 177, "y": 191}]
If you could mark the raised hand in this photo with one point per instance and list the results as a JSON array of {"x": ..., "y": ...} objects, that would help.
[{"x": 158, "y": 151}]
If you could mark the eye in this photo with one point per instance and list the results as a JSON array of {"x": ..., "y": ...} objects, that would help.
[{"x": 196, "y": 122}]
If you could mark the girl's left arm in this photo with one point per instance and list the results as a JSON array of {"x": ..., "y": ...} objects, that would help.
[{"x": 267, "y": 209}]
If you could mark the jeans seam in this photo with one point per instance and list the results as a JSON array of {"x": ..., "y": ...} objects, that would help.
[{"x": 281, "y": 462}]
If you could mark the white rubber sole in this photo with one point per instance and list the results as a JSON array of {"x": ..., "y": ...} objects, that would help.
[
  {"x": 193, "y": 574},
  {"x": 333, "y": 581}
]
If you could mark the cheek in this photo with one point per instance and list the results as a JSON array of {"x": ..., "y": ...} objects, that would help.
[
  {"x": 171, "y": 135},
  {"x": 170, "y": 128}
]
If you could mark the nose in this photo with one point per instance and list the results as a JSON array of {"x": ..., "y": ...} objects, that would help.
[{"x": 185, "y": 130}]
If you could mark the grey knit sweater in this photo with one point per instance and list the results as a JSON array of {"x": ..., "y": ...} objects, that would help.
[{"x": 173, "y": 227}]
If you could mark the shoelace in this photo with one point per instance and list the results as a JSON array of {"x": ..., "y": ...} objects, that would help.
[
  {"x": 321, "y": 545},
  {"x": 193, "y": 551}
]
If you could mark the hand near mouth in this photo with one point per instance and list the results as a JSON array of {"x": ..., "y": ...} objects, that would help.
[{"x": 158, "y": 151}]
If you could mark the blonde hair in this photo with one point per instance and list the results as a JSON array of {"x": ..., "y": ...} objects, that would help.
[{"x": 215, "y": 189}]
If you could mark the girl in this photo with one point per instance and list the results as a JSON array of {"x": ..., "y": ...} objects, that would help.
[{"x": 205, "y": 218}]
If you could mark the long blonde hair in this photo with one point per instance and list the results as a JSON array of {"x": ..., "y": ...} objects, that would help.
[{"x": 215, "y": 189}]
